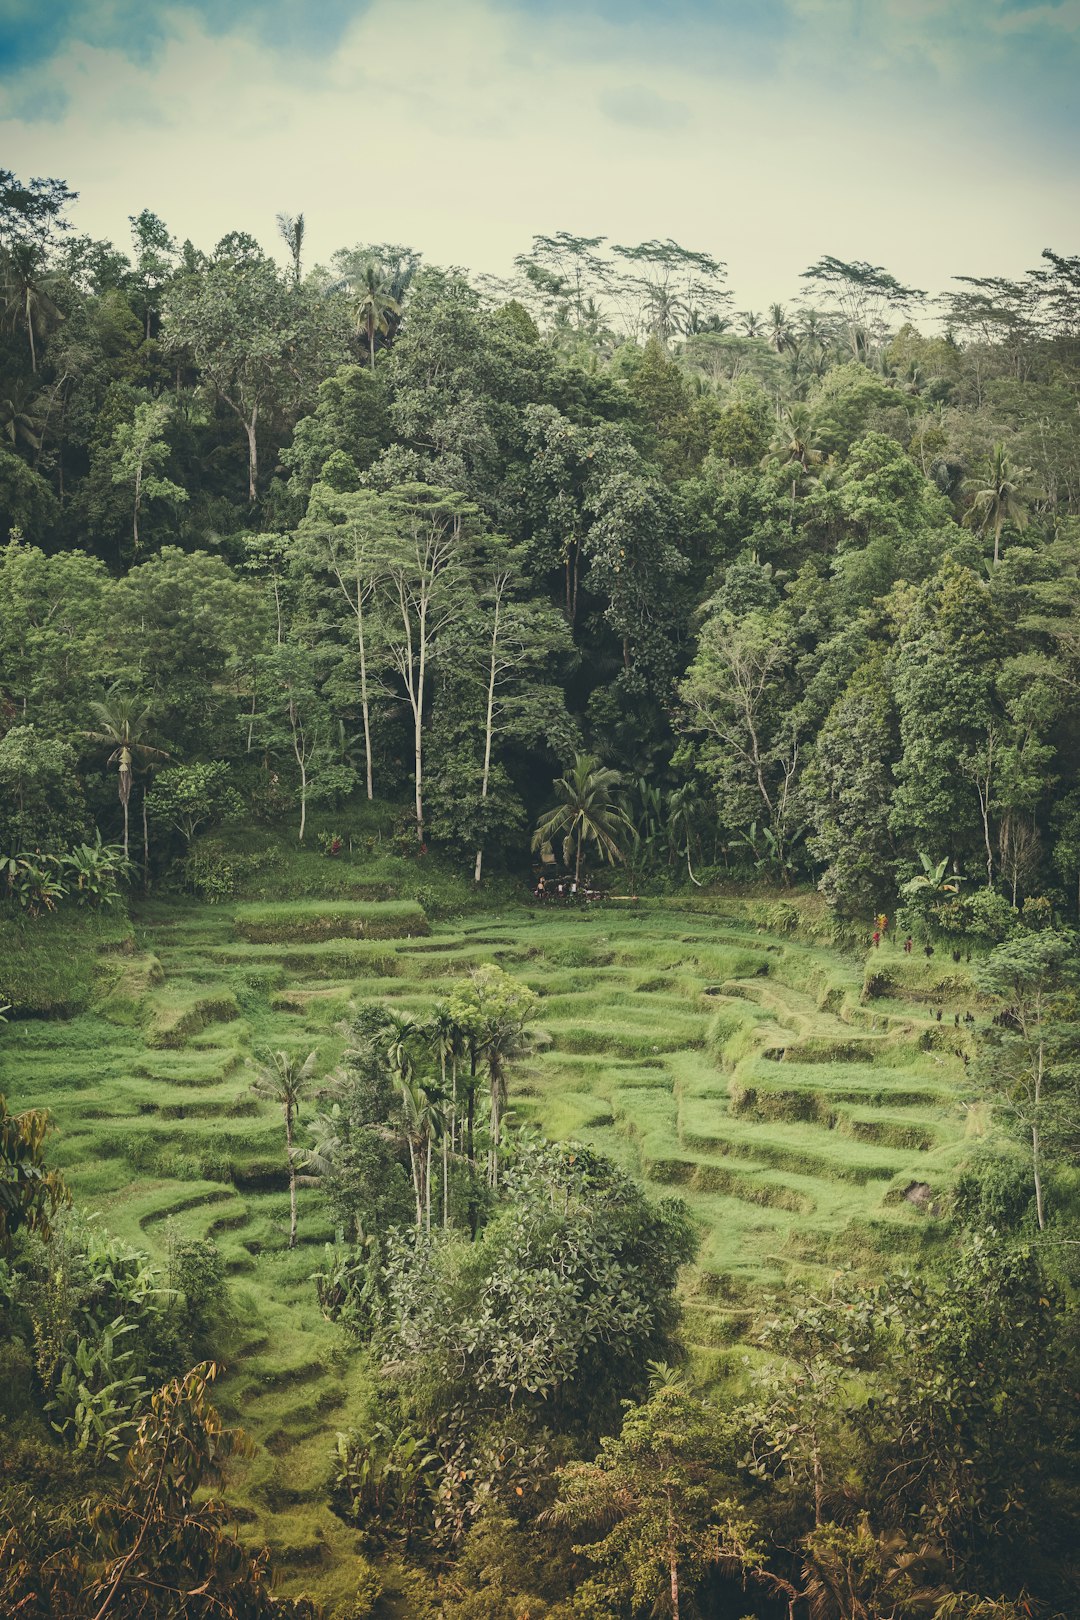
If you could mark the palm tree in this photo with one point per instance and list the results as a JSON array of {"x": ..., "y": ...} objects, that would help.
[
  {"x": 781, "y": 337},
  {"x": 750, "y": 321},
  {"x": 998, "y": 500},
  {"x": 20, "y": 421},
  {"x": 684, "y": 808},
  {"x": 282, "y": 1081},
  {"x": 795, "y": 436},
  {"x": 446, "y": 1040},
  {"x": 375, "y": 304},
  {"x": 27, "y": 291},
  {"x": 667, "y": 313},
  {"x": 291, "y": 230},
  {"x": 124, "y": 721},
  {"x": 503, "y": 1038},
  {"x": 586, "y": 812}
]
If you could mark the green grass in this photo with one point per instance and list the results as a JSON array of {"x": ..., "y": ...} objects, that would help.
[
  {"x": 752, "y": 1074},
  {"x": 278, "y": 921},
  {"x": 51, "y": 967}
]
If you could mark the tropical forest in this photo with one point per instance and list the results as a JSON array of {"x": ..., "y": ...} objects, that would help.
[{"x": 539, "y": 930}]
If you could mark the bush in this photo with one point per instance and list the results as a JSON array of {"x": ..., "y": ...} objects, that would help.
[
  {"x": 993, "y": 1191},
  {"x": 216, "y": 873}
]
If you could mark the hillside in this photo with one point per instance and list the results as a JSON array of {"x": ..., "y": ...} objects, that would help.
[{"x": 808, "y": 1126}]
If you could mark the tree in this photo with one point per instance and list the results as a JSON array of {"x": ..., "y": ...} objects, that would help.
[
  {"x": 1030, "y": 1060},
  {"x": 124, "y": 722},
  {"x": 258, "y": 344},
  {"x": 374, "y": 307},
  {"x": 493, "y": 1009},
  {"x": 557, "y": 1307},
  {"x": 167, "y": 1532},
  {"x": 948, "y": 655},
  {"x": 28, "y": 287},
  {"x": 736, "y": 697},
  {"x": 291, "y": 230},
  {"x": 446, "y": 1039},
  {"x": 997, "y": 499},
  {"x": 654, "y": 1494},
  {"x": 283, "y": 1080},
  {"x": 142, "y": 450},
  {"x": 423, "y": 578},
  {"x": 586, "y": 813},
  {"x": 30, "y": 1193},
  {"x": 863, "y": 295},
  {"x": 352, "y": 533},
  {"x": 188, "y": 797},
  {"x": 155, "y": 262},
  {"x": 848, "y": 786}
]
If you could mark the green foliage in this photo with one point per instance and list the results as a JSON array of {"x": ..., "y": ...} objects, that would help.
[
  {"x": 557, "y": 1308},
  {"x": 30, "y": 1193}
]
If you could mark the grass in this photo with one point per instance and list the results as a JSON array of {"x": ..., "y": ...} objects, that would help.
[
  {"x": 290, "y": 921},
  {"x": 754, "y": 1074}
]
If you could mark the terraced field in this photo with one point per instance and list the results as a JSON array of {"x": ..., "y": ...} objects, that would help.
[{"x": 807, "y": 1126}]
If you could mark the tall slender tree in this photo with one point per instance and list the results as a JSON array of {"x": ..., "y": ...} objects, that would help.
[
  {"x": 124, "y": 725},
  {"x": 283, "y": 1080}
]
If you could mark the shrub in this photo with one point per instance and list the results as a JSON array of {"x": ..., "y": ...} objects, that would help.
[{"x": 993, "y": 1191}]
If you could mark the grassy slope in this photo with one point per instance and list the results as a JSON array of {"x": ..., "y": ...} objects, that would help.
[{"x": 745, "y": 1072}]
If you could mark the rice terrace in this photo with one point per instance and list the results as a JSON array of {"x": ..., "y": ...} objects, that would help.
[
  {"x": 811, "y": 1114},
  {"x": 539, "y": 810}
]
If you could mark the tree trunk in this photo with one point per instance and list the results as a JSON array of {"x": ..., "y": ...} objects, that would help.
[
  {"x": 300, "y": 752},
  {"x": 418, "y": 728},
  {"x": 577, "y": 860},
  {"x": 30, "y": 334},
  {"x": 124, "y": 801},
  {"x": 445, "y": 1180},
  {"x": 292, "y": 1178},
  {"x": 470, "y": 1121},
  {"x": 371, "y": 339},
  {"x": 1036, "y": 1145},
  {"x": 427, "y": 1186},
  {"x": 673, "y": 1564},
  {"x": 253, "y": 455},
  {"x": 493, "y": 1154},
  {"x": 488, "y": 730},
  {"x": 138, "y": 498},
  {"x": 415, "y": 1182},
  {"x": 364, "y": 705},
  {"x": 145, "y": 845}
]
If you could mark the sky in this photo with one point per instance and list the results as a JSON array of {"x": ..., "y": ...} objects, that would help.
[{"x": 933, "y": 137}]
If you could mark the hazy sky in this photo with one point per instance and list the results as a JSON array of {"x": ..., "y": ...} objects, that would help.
[{"x": 932, "y": 136}]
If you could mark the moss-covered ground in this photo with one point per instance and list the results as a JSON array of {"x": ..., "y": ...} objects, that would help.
[{"x": 808, "y": 1124}]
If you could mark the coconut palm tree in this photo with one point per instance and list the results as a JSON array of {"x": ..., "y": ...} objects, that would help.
[
  {"x": 586, "y": 813},
  {"x": 750, "y": 321},
  {"x": 795, "y": 437},
  {"x": 291, "y": 230},
  {"x": 781, "y": 337},
  {"x": 124, "y": 722},
  {"x": 446, "y": 1040},
  {"x": 374, "y": 307},
  {"x": 282, "y": 1080},
  {"x": 503, "y": 1039},
  {"x": 28, "y": 288},
  {"x": 998, "y": 499},
  {"x": 20, "y": 421}
]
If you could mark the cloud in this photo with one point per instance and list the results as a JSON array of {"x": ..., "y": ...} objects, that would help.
[
  {"x": 641, "y": 108},
  {"x": 466, "y": 128}
]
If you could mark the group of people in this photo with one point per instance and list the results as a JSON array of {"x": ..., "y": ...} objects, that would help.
[{"x": 564, "y": 892}]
